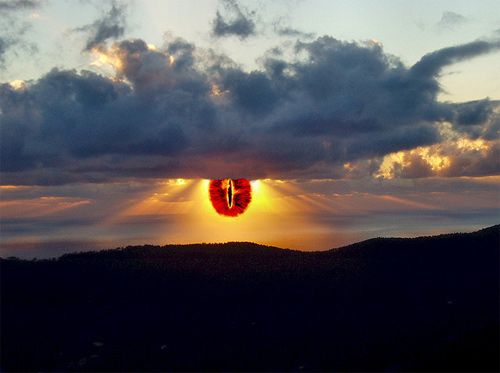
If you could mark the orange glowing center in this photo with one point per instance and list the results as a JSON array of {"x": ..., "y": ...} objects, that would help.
[{"x": 230, "y": 197}]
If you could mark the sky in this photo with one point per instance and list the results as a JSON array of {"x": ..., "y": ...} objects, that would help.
[{"x": 351, "y": 119}]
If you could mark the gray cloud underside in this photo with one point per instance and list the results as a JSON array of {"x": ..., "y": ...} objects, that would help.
[{"x": 337, "y": 102}]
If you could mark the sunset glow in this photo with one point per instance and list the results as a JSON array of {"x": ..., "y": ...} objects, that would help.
[
  {"x": 237, "y": 185},
  {"x": 115, "y": 117}
]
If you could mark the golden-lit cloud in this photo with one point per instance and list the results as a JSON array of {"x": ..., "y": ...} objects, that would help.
[
  {"x": 451, "y": 158},
  {"x": 118, "y": 57},
  {"x": 106, "y": 58}
]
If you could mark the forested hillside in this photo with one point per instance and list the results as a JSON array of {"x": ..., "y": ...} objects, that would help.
[{"x": 386, "y": 304}]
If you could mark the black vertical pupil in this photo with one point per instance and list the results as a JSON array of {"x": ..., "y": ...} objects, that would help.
[{"x": 230, "y": 194}]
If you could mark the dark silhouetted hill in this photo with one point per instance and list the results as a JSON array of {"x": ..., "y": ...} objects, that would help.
[{"x": 386, "y": 304}]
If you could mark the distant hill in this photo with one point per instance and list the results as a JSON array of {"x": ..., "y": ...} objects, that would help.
[{"x": 385, "y": 304}]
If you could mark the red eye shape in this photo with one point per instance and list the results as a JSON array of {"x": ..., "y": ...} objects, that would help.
[{"x": 230, "y": 197}]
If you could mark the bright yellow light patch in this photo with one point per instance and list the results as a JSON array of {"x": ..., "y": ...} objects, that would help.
[
  {"x": 17, "y": 84},
  {"x": 255, "y": 186},
  {"x": 436, "y": 161},
  {"x": 466, "y": 144},
  {"x": 263, "y": 221},
  {"x": 386, "y": 170},
  {"x": 107, "y": 58},
  {"x": 429, "y": 154}
]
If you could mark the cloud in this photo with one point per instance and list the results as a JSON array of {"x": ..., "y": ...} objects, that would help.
[
  {"x": 280, "y": 28},
  {"x": 110, "y": 26},
  {"x": 4, "y": 45},
  {"x": 13, "y": 30},
  {"x": 335, "y": 109},
  {"x": 450, "y": 19},
  {"x": 291, "y": 32},
  {"x": 431, "y": 64},
  {"x": 10, "y": 5},
  {"x": 234, "y": 22},
  {"x": 478, "y": 119},
  {"x": 453, "y": 157},
  {"x": 12, "y": 43}
]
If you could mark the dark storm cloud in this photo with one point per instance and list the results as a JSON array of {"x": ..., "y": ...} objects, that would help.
[
  {"x": 69, "y": 124},
  {"x": 474, "y": 112},
  {"x": 180, "y": 112},
  {"x": 233, "y": 22},
  {"x": 110, "y": 26},
  {"x": 478, "y": 119},
  {"x": 85, "y": 115}
]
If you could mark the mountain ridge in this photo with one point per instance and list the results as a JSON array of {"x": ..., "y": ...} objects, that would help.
[
  {"x": 385, "y": 304},
  {"x": 231, "y": 246}
]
